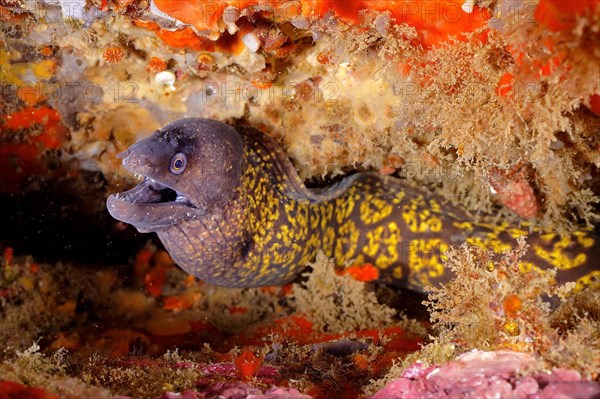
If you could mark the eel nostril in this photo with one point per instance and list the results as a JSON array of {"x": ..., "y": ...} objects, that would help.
[{"x": 131, "y": 162}]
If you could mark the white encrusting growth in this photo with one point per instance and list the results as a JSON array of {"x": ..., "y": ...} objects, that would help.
[
  {"x": 251, "y": 41},
  {"x": 468, "y": 6},
  {"x": 166, "y": 78}
]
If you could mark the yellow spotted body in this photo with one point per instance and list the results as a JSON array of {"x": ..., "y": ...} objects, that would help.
[{"x": 274, "y": 226}]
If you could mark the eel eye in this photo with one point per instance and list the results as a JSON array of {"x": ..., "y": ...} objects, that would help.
[{"x": 178, "y": 163}]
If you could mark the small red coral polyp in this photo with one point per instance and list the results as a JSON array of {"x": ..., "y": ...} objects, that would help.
[
  {"x": 206, "y": 59},
  {"x": 364, "y": 273},
  {"x": 324, "y": 57},
  {"x": 512, "y": 305},
  {"x": 247, "y": 364},
  {"x": 113, "y": 54},
  {"x": 156, "y": 65}
]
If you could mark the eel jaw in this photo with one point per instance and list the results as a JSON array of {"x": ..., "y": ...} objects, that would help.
[
  {"x": 151, "y": 206},
  {"x": 151, "y": 191}
]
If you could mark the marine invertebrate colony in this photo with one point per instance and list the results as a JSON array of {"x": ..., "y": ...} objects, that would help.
[
  {"x": 113, "y": 54},
  {"x": 231, "y": 209}
]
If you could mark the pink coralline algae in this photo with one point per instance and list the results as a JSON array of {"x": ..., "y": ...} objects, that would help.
[
  {"x": 236, "y": 390},
  {"x": 479, "y": 374}
]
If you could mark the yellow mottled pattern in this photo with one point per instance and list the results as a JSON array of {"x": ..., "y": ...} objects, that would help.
[
  {"x": 377, "y": 220},
  {"x": 591, "y": 278},
  {"x": 273, "y": 226},
  {"x": 584, "y": 239},
  {"x": 281, "y": 232},
  {"x": 515, "y": 232},
  {"x": 465, "y": 226},
  {"x": 389, "y": 253},
  {"x": 557, "y": 255},
  {"x": 347, "y": 242},
  {"x": 343, "y": 209},
  {"x": 405, "y": 235},
  {"x": 373, "y": 210},
  {"x": 425, "y": 260},
  {"x": 526, "y": 267},
  {"x": 421, "y": 218},
  {"x": 491, "y": 242}
]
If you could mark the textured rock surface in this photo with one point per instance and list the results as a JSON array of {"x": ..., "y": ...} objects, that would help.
[{"x": 479, "y": 374}]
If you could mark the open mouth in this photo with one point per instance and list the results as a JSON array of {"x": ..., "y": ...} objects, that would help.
[{"x": 152, "y": 192}]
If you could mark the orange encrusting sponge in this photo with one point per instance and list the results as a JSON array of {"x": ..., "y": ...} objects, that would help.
[
  {"x": 560, "y": 15},
  {"x": 435, "y": 20}
]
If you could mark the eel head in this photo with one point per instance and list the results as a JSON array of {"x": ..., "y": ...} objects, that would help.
[{"x": 189, "y": 167}]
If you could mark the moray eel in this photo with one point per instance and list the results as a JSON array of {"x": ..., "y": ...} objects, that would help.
[{"x": 230, "y": 208}]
